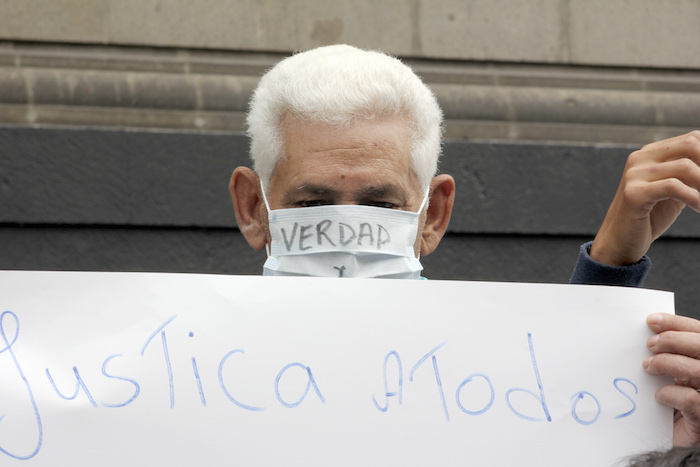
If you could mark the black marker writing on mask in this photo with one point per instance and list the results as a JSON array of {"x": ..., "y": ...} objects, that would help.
[{"x": 330, "y": 233}]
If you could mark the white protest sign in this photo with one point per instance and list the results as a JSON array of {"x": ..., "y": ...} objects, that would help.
[{"x": 177, "y": 369}]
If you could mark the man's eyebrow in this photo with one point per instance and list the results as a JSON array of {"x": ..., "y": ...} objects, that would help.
[
  {"x": 318, "y": 190},
  {"x": 381, "y": 191},
  {"x": 369, "y": 191}
]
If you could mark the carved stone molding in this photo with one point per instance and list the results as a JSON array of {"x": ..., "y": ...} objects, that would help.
[{"x": 138, "y": 87}]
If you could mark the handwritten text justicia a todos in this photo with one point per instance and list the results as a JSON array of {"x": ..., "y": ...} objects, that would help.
[{"x": 293, "y": 383}]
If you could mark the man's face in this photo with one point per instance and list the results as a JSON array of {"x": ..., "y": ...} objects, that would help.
[{"x": 367, "y": 163}]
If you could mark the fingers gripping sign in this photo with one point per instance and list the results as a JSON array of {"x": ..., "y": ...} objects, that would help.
[
  {"x": 659, "y": 180},
  {"x": 677, "y": 352}
]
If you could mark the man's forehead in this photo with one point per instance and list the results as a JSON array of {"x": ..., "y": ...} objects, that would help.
[{"x": 382, "y": 130}]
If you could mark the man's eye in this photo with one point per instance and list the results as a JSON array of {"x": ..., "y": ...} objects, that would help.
[
  {"x": 311, "y": 203},
  {"x": 381, "y": 204}
]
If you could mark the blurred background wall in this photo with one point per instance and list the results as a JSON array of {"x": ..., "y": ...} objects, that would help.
[{"x": 121, "y": 121}]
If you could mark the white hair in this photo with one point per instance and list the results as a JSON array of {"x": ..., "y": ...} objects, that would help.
[{"x": 340, "y": 85}]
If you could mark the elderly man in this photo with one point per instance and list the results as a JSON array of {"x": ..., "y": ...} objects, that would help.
[{"x": 355, "y": 135}]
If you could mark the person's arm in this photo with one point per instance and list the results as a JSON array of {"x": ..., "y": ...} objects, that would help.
[
  {"x": 590, "y": 271},
  {"x": 658, "y": 182}
]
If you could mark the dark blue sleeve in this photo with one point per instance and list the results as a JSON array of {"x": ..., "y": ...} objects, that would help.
[{"x": 590, "y": 271}]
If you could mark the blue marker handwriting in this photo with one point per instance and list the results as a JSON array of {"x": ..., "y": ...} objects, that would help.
[
  {"x": 396, "y": 378},
  {"x": 394, "y": 388}
]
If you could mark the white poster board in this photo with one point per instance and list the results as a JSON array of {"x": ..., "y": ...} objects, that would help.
[{"x": 177, "y": 369}]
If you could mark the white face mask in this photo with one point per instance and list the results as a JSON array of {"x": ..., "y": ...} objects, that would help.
[{"x": 343, "y": 241}]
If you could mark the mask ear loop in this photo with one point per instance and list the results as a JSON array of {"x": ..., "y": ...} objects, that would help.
[
  {"x": 262, "y": 188},
  {"x": 420, "y": 210},
  {"x": 267, "y": 206},
  {"x": 425, "y": 200}
]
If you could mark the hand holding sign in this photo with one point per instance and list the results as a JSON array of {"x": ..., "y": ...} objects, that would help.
[{"x": 674, "y": 345}]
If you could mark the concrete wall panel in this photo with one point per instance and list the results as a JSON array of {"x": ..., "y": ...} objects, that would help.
[
  {"x": 645, "y": 33},
  {"x": 665, "y": 33},
  {"x": 507, "y": 30},
  {"x": 172, "y": 179}
]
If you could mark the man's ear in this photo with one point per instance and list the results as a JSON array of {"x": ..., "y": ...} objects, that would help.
[
  {"x": 248, "y": 205},
  {"x": 442, "y": 198}
]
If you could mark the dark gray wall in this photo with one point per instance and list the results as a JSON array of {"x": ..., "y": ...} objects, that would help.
[{"x": 118, "y": 200}]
